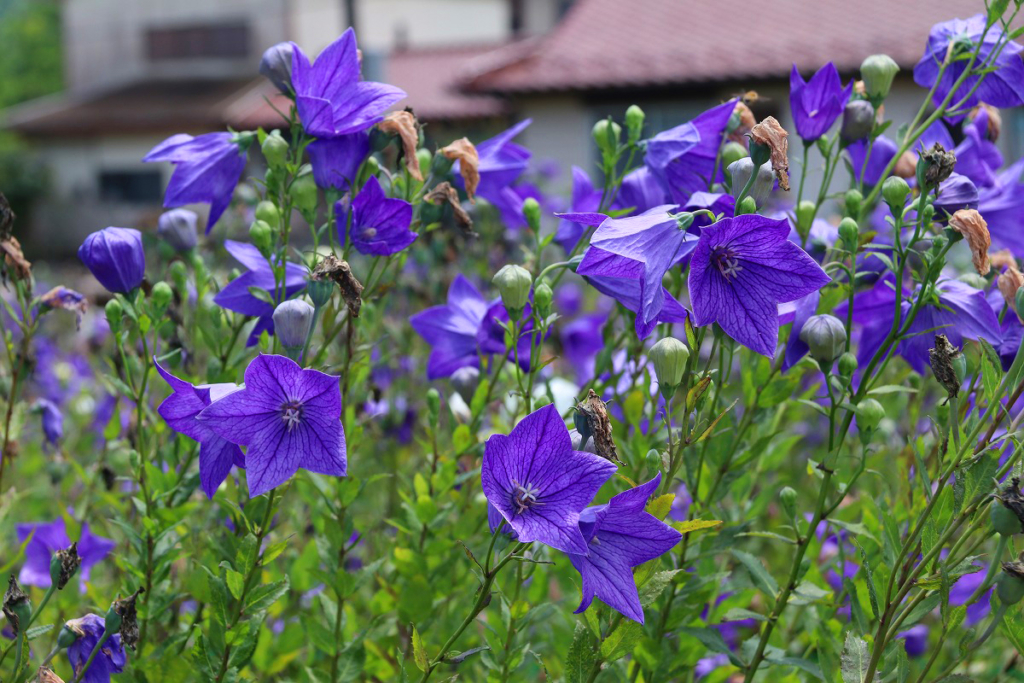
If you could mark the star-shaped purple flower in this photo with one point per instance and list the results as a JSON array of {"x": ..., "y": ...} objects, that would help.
[
  {"x": 286, "y": 417},
  {"x": 379, "y": 225},
  {"x": 817, "y": 103},
  {"x": 620, "y": 535},
  {"x": 683, "y": 158},
  {"x": 539, "y": 484},
  {"x": 48, "y": 538},
  {"x": 336, "y": 161},
  {"x": 109, "y": 660},
  {"x": 501, "y": 163},
  {"x": 179, "y": 410},
  {"x": 742, "y": 268},
  {"x": 208, "y": 169},
  {"x": 237, "y": 297},
  {"x": 330, "y": 95}
]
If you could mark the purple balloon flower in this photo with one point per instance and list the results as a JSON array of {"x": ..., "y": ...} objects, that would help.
[
  {"x": 52, "y": 420},
  {"x": 286, "y": 417},
  {"x": 179, "y": 410},
  {"x": 330, "y": 95},
  {"x": 683, "y": 158},
  {"x": 539, "y": 484},
  {"x": 237, "y": 297},
  {"x": 641, "y": 191},
  {"x": 208, "y": 169},
  {"x": 1002, "y": 205},
  {"x": 109, "y": 660},
  {"x": 585, "y": 199},
  {"x": 115, "y": 257},
  {"x": 741, "y": 270},
  {"x": 881, "y": 153},
  {"x": 581, "y": 342},
  {"x": 336, "y": 161},
  {"x": 378, "y": 226},
  {"x": 48, "y": 538},
  {"x": 620, "y": 536},
  {"x": 1004, "y": 87},
  {"x": 955, "y": 192},
  {"x": 977, "y": 157},
  {"x": 817, "y": 103}
]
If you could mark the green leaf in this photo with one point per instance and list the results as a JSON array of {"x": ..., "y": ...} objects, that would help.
[
  {"x": 854, "y": 660},
  {"x": 1013, "y": 628},
  {"x": 580, "y": 659},
  {"x": 655, "y": 585},
  {"x": 37, "y": 631},
  {"x": 236, "y": 583},
  {"x": 265, "y": 595},
  {"x": 758, "y": 574},
  {"x": 621, "y": 641},
  {"x": 712, "y": 639},
  {"x": 419, "y": 653}
]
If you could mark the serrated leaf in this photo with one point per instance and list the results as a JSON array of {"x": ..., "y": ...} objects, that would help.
[
  {"x": 581, "y": 657},
  {"x": 854, "y": 660},
  {"x": 655, "y": 585},
  {"x": 758, "y": 574},
  {"x": 621, "y": 641}
]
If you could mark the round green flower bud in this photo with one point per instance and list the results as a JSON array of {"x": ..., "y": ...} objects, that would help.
[
  {"x": 513, "y": 283},
  {"x": 424, "y": 157},
  {"x": 433, "y": 405},
  {"x": 115, "y": 315},
  {"x": 853, "y": 200},
  {"x": 669, "y": 357},
  {"x": 268, "y": 213},
  {"x": 731, "y": 153},
  {"x": 760, "y": 153},
  {"x": 441, "y": 165},
  {"x": 787, "y": 496},
  {"x": 68, "y": 636},
  {"x": 747, "y": 206},
  {"x": 304, "y": 193},
  {"x": 275, "y": 151},
  {"x": 179, "y": 276},
  {"x": 320, "y": 291},
  {"x": 1009, "y": 587},
  {"x": 634, "y": 122},
  {"x": 847, "y": 364},
  {"x": 606, "y": 134},
  {"x": 161, "y": 296},
  {"x": 542, "y": 296},
  {"x": 262, "y": 236},
  {"x": 531, "y": 211},
  {"x": 653, "y": 461},
  {"x": 869, "y": 414},
  {"x": 805, "y": 211},
  {"x": 895, "y": 192},
  {"x": 849, "y": 233},
  {"x": 877, "y": 72},
  {"x": 1003, "y": 520},
  {"x": 825, "y": 337}
]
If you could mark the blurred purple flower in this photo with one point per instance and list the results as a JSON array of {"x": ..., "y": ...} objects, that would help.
[
  {"x": 48, "y": 538},
  {"x": 585, "y": 199},
  {"x": 684, "y": 158}
]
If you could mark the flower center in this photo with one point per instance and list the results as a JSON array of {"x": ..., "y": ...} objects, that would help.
[
  {"x": 525, "y": 497},
  {"x": 727, "y": 261},
  {"x": 291, "y": 414},
  {"x": 369, "y": 233}
]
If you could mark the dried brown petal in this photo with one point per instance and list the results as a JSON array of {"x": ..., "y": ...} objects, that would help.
[
  {"x": 469, "y": 163},
  {"x": 970, "y": 224},
  {"x": 125, "y": 608},
  {"x": 1009, "y": 281},
  {"x": 599, "y": 424},
  {"x": 46, "y": 675},
  {"x": 941, "y": 358},
  {"x": 906, "y": 167},
  {"x": 69, "y": 563},
  {"x": 446, "y": 194},
  {"x": 939, "y": 164},
  {"x": 331, "y": 268},
  {"x": 15, "y": 601},
  {"x": 404, "y": 125},
  {"x": 859, "y": 88},
  {"x": 995, "y": 120},
  {"x": 770, "y": 132},
  {"x": 15, "y": 263},
  {"x": 1002, "y": 259}
]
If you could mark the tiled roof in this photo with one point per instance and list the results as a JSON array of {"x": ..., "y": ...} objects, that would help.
[
  {"x": 605, "y": 44},
  {"x": 430, "y": 77}
]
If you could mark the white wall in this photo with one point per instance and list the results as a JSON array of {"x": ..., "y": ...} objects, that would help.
[{"x": 430, "y": 22}]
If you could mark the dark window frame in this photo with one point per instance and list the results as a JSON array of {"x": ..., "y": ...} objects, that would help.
[{"x": 222, "y": 40}]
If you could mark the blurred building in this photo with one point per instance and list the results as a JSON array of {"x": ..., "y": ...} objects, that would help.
[{"x": 138, "y": 71}]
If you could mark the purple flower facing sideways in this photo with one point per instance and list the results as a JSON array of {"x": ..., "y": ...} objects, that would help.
[
  {"x": 207, "y": 170},
  {"x": 379, "y": 225},
  {"x": 684, "y": 158},
  {"x": 109, "y": 660},
  {"x": 501, "y": 163},
  {"x": 1003, "y": 87},
  {"x": 52, "y": 420},
  {"x": 48, "y": 538},
  {"x": 620, "y": 535},
  {"x": 179, "y": 410},
  {"x": 286, "y": 417},
  {"x": 626, "y": 291},
  {"x": 915, "y": 640},
  {"x": 817, "y": 103},
  {"x": 539, "y": 484},
  {"x": 585, "y": 199},
  {"x": 877, "y": 155},
  {"x": 330, "y": 95},
  {"x": 336, "y": 161},
  {"x": 1002, "y": 205},
  {"x": 741, "y": 270},
  {"x": 640, "y": 191},
  {"x": 115, "y": 257},
  {"x": 237, "y": 297}
]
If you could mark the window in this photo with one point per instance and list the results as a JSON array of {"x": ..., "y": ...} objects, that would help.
[
  {"x": 217, "y": 41},
  {"x": 133, "y": 187}
]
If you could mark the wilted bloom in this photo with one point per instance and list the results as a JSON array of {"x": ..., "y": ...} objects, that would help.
[
  {"x": 772, "y": 135},
  {"x": 125, "y": 609},
  {"x": 237, "y": 297},
  {"x": 1003, "y": 87},
  {"x": 52, "y": 420},
  {"x": 48, "y": 538},
  {"x": 109, "y": 661},
  {"x": 741, "y": 269},
  {"x": 179, "y": 410},
  {"x": 65, "y": 299},
  {"x": 683, "y": 158},
  {"x": 1009, "y": 281},
  {"x": 207, "y": 170},
  {"x": 115, "y": 257},
  {"x": 276, "y": 66},
  {"x": 973, "y": 227},
  {"x": 539, "y": 484},
  {"x": 817, "y": 103},
  {"x": 286, "y": 417},
  {"x": 330, "y": 95},
  {"x": 464, "y": 153},
  {"x": 336, "y": 160},
  {"x": 620, "y": 535},
  {"x": 178, "y": 228},
  {"x": 378, "y": 226},
  {"x": 935, "y": 164},
  {"x": 404, "y": 125},
  {"x": 585, "y": 199}
]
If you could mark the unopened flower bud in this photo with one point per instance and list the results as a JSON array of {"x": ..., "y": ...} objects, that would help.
[
  {"x": 262, "y": 236},
  {"x": 69, "y": 635},
  {"x": 424, "y": 157},
  {"x": 934, "y": 165},
  {"x": 63, "y": 565},
  {"x": 441, "y": 165},
  {"x": 292, "y": 321},
  {"x": 465, "y": 381},
  {"x": 634, "y": 123},
  {"x": 787, "y": 496},
  {"x": 747, "y": 206},
  {"x": 304, "y": 193},
  {"x": 161, "y": 296},
  {"x": 740, "y": 171},
  {"x": 16, "y": 605},
  {"x": 275, "y": 151},
  {"x": 606, "y": 134},
  {"x": 268, "y": 213},
  {"x": 531, "y": 211},
  {"x": 513, "y": 283},
  {"x": 877, "y": 71},
  {"x": 895, "y": 192},
  {"x": 542, "y": 296},
  {"x": 653, "y": 461},
  {"x": 276, "y": 66},
  {"x": 1007, "y": 512},
  {"x": 760, "y": 153},
  {"x": 177, "y": 227},
  {"x": 805, "y": 211},
  {"x": 948, "y": 364},
  {"x": 433, "y": 405},
  {"x": 320, "y": 291},
  {"x": 115, "y": 315},
  {"x": 849, "y": 233},
  {"x": 825, "y": 337},
  {"x": 669, "y": 357},
  {"x": 847, "y": 364},
  {"x": 1010, "y": 584},
  {"x": 733, "y": 152},
  {"x": 858, "y": 121},
  {"x": 853, "y": 200},
  {"x": 869, "y": 414}
]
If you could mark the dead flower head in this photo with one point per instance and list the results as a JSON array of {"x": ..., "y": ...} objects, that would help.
[
  {"x": 404, "y": 125},
  {"x": 771, "y": 133},
  {"x": 970, "y": 224},
  {"x": 464, "y": 152}
]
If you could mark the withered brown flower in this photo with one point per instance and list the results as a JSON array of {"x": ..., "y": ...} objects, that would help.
[
  {"x": 15, "y": 264},
  {"x": 970, "y": 224},
  {"x": 771, "y": 133},
  {"x": 598, "y": 424},
  {"x": 125, "y": 608},
  {"x": 942, "y": 359},
  {"x": 465, "y": 153},
  {"x": 404, "y": 125},
  {"x": 1009, "y": 281},
  {"x": 338, "y": 271},
  {"x": 939, "y": 164},
  {"x": 444, "y": 193}
]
